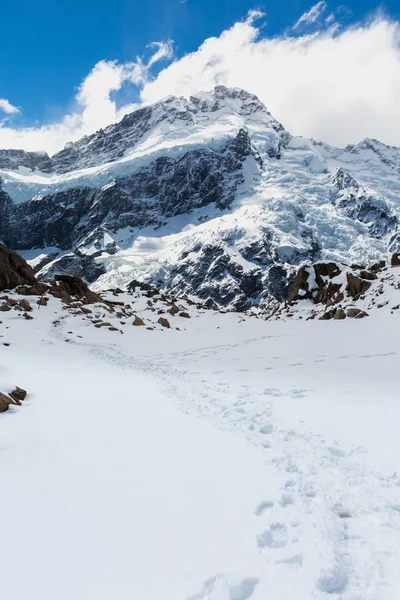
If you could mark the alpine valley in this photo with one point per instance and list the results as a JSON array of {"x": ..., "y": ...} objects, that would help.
[
  {"x": 208, "y": 197},
  {"x": 193, "y": 405}
]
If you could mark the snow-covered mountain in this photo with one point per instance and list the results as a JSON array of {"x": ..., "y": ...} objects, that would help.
[{"x": 207, "y": 196}]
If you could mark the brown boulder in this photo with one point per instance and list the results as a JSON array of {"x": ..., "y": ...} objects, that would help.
[
  {"x": 37, "y": 289},
  {"x": 164, "y": 322},
  {"x": 184, "y": 314},
  {"x": 327, "y": 293},
  {"x": 14, "y": 270},
  {"x": 300, "y": 287},
  {"x": 42, "y": 301},
  {"x": 339, "y": 314},
  {"x": 326, "y": 269},
  {"x": 368, "y": 275},
  {"x": 173, "y": 310},
  {"x": 24, "y": 304},
  {"x": 5, "y": 307},
  {"x": 61, "y": 294},
  {"x": 356, "y": 286},
  {"x": 18, "y": 394},
  {"x": 5, "y": 402},
  {"x": 356, "y": 313},
  {"x": 378, "y": 266},
  {"x": 395, "y": 262},
  {"x": 74, "y": 286},
  {"x": 329, "y": 314},
  {"x": 138, "y": 322}
]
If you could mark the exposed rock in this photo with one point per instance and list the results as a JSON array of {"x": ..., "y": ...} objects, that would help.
[
  {"x": 395, "y": 259},
  {"x": 24, "y": 304},
  {"x": 184, "y": 314},
  {"x": 42, "y": 301},
  {"x": 329, "y": 314},
  {"x": 18, "y": 394},
  {"x": 60, "y": 293},
  {"x": 339, "y": 314},
  {"x": 138, "y": 322},
  {"x": 173, "y": 310},
  {"x": 5, "y": 307},
  {"x": 326, "y": 269},
  {"x": 164, "y": 322},
  {"x": 103, "y": 324},
  {"x": 5, "y": 402},
  {"x": 14, "y": 270},
  {"x": 74, "y": 286},
  {"x": 353, "y": 312},
  {"x": 356, "y": 285},
  {"x": 300, "y": 287},
  {"x": 378, "y": 266},
  {"x": 37, "y": 289},
  {"x": 368, "y": 275}
]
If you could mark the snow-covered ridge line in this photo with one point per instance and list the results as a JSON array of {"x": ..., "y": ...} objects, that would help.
[{"x": 208, "y": 196}]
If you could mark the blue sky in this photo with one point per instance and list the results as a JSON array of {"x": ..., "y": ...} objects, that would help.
[
  {"x": 48, "y": 47},
  {"x": 326, "y": 69}
]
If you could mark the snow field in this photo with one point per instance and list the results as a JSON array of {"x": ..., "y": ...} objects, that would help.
[{"x": 236, "y": 459}]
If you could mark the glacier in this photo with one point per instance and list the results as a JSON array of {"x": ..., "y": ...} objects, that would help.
[{"x": 209, "y": 197}]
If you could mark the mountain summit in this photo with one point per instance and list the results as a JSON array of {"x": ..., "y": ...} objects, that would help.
[{"x": 208, "y": 196}]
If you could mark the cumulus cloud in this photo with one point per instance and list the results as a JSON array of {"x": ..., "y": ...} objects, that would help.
[
  {"x": 312, "y": 15},
  {"x": 337, "y": 85},
  {"x": 7, "y": 107},
  {"x": 94, "y": 104}
]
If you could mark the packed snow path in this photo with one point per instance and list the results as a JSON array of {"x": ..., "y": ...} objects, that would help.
[{"x": 278, "y": 482}]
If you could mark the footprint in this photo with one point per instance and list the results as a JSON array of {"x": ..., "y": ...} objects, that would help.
[
  {"x": 218, "y": 588},
  {"x": 286, "y": 500},
  {"x": 276, "y": 536},
  {"x": 263, "y": 506},
  {"x": 333, "y": 581},
  {"x": 267, "y": 429},
  {"x": 296, "y": 560}
]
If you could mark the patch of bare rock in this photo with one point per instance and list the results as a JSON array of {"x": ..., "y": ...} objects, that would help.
[{"x": 330, "y": 290}]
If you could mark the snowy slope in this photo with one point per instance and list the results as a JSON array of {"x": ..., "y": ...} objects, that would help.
[
  {"x": 229, "y": 460},
  {"x": 208, "y": 196}
]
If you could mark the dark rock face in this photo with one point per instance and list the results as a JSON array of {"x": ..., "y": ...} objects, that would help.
[
  {"x": 14, "y": 270},
  {"x": 244, "y": 265},
  {"x": 12, "y": 159},
  {"x": 74, "y": 286},
  {"x": 167, "y": 187},
  {"x": 300, "y": 288},
  {"x": 396, "y": 259},
  {"x": 351, "y": 198},
  {"x": 356, "y": 285}
]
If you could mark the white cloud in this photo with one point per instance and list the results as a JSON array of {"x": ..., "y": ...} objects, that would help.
[
  {"x": 335, "y": 86},
  {"x": 94, "y": 108},
  {"x": 312, "y": 15},
  {"x": 8, "y": 108}
]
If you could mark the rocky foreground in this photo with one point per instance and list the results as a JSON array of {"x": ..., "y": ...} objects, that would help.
[
  {"x": 142, "y": 305},
  {"x": 330, "y": 290}
]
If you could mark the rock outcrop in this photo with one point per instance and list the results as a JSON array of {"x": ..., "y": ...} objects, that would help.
[
  {"x": 14, "y": 270},
  {"x": 328, "y": 290}
]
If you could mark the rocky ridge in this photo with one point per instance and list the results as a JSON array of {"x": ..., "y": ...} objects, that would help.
[
  {"x": 208, "y": 197},
  {"x": 329, "y": 290}
]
